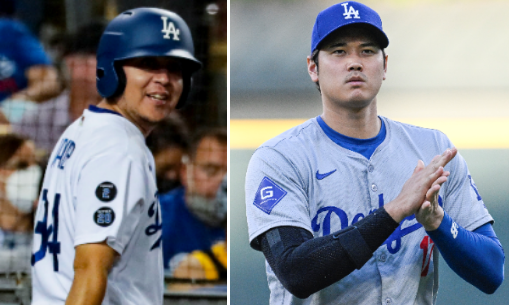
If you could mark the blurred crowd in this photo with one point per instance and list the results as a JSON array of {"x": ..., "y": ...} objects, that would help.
[{"x": 41, "y": 95}]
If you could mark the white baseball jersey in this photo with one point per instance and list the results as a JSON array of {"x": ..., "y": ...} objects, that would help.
[
  {"x": 99, "y": 186},
  {"x": 303, "y": 179}
]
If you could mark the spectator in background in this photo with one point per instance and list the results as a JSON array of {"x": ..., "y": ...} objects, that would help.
[
  {"x": 26, "y": 73},
  {"x": 169, "y": 143},
  {"x": 209, "y": 264},
  {"x": 48, "y": 121},
  {"x": 193, "y": 214},
  {"x": 20, "y": 176}
]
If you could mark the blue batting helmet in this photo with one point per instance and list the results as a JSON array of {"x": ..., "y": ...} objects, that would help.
[{"x": 143, "y": 32}]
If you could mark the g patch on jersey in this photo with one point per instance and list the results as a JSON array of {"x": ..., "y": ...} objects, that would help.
[
  {"x": 104, "y": 217},
  {"x": 106, "y": 191},
  {"x": 268, "y": 195}
]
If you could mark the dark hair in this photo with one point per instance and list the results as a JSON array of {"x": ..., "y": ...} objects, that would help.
[
  {"x": 85, "y": 40},
  {"x": 171, "y": 132},
  {"x": 218, "y": 133},
  {"x": 314, "y": 58},
  {"x": 9, "y": 143}
]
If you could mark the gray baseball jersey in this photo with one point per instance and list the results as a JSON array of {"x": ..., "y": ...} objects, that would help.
[{"x": 302, "y": 178}]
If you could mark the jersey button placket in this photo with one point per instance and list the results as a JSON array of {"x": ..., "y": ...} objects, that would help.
[
  {"x": 375, "y": 198},
  {"x": 388, "y": 301}
]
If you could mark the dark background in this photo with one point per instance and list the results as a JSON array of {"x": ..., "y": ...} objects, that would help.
[{"x": 50, "y": 19}]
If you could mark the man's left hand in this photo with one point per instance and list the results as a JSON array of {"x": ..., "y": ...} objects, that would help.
[{"x": 430, "y": 214}]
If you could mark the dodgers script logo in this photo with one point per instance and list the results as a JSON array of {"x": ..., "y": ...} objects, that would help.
[
  {"x": 407, "y": 226},
  {"x": 169, "y": 28},
  {"x": 349, "y": 12},
  {"x": 157, "y": 225}
]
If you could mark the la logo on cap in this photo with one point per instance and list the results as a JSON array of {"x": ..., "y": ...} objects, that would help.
[{"x": 349, "y": 12}]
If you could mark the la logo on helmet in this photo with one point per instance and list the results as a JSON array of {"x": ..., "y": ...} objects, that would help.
[
  {"x": 348, "y": 12},
  {"x": 169, "y": 28}
]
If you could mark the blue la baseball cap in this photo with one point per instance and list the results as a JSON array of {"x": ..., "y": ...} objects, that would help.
[{"x": 346, "y": 13}]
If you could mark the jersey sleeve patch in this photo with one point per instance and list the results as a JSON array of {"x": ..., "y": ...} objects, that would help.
[
  {"x": 268, "y": 195},
  {"x": 104, "y": 217},
  {"x": 106, "y": 191}
]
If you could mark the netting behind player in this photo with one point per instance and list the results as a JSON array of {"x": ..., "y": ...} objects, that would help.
[{"x": 47, "y": 82}]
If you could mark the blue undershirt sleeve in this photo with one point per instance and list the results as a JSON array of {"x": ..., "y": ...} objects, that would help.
[{"x": 477, "y": 257}]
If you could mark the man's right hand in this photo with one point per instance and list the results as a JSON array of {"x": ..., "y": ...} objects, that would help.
[{"x": 423, "y": 180}]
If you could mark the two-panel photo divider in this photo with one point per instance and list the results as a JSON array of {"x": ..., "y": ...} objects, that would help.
[
  {"x": 368, "y": 152},
  {"x": 253, "y": 152}
]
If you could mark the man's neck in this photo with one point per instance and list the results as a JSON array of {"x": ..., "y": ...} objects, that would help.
[
  {"x": 79, "y": 100},
  {"x": 145, "y": 130},
  {"x": 360, "y": 123}
]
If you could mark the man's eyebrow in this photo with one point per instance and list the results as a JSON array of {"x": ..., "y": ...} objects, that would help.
[{"x": 337, "y": 44}]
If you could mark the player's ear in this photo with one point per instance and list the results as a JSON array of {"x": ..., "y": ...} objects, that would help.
[
  {"x": 386, "y": 59},
  {"x": 312, "y": 69}
]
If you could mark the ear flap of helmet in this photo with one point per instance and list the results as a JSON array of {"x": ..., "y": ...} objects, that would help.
[
  {"x": 107, "y": 81},
  {"x": 121, "y": 80},
  {"x": 106, "y": 75}
]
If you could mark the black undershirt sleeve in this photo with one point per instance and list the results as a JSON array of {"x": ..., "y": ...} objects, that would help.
[{"x": 305, "y": 265}]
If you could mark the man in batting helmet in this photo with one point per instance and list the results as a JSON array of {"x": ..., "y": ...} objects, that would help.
[
  {"x": 130, "y": 35},
  {"x": 99, "y": 194}
]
